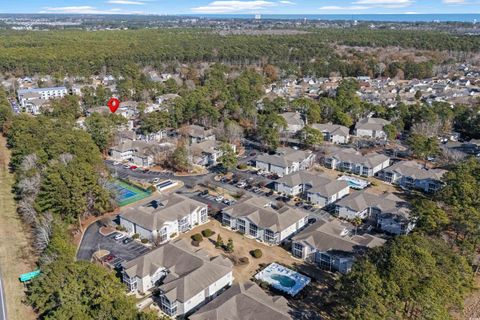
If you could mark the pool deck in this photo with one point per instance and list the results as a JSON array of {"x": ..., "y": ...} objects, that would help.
[{"x": 300, "y": 280}]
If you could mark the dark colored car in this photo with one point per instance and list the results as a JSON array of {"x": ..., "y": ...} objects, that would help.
[
  {"x": 269, "y": 194},
  {"x": 127, "y": 240},
  {"x": 299, "y": 204},
  {"x": 203, "y": 193},
  {"x": 108, "y": 258}
]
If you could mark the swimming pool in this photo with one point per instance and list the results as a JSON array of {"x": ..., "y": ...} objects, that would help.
[
  {"x": 354, "y": 183},
  {"x": 126, "y": 193},
  {"x": 283, "y": 279}
]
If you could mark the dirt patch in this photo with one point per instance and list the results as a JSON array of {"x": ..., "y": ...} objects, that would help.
[
  {"x": 471, "y": 308},
  {"x": 16, "y": 254},
  {"x": 242, "y": 247}
]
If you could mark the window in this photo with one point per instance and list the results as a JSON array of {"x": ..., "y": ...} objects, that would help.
[
  {"x": 226, "y": 219},
  {"x": 241, "y": 225},
  {"x": 270, "y": 236},
  {"x": 253, "y": 230},
  {"x": 203, "y": 215},
  {"x": 297, "y": 250}
]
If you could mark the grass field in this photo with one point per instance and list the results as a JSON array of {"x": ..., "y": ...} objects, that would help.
[{"x": 16, "y": 255}]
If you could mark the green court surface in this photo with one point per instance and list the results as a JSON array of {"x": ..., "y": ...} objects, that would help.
[{"x": 126, "y": 193}]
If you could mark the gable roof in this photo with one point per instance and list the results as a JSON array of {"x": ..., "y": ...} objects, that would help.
[
  {"x": 337, "y": 236},
  {"x": 332, "y": 129},
  {"x": 259, "y": 211},
  {"x": 369, "y": 160},
  {"x": 387, "y": 203},
  {"x": 152, "y": 214},
  {"x": 416, "y": 170},
  {"x": 319, "y": 183},
  {"x": 189, "y": 272},
  {"x": 293, "y": 118},
  {"x": 376, "y": 124},
  {"x": 284, "y": 157},
  {"x": 244, "y": 301}
]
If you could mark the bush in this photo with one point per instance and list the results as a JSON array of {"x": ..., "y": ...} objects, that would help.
[
  {"x": 207, "y": 233},
  {"x": 242, "y": 166},
  {"x": 120, "y": 228},
  {"x": 243, "y": 260},
  {"x": 257, "y": 253},
  {"x": 135, "y": 236},
  {"x": 195, "y": 243},
  {"x": 151, "y": 189},
  {"x": 144, "y": 240},
  {"x": 173, "y": 235},
  {"x": 197, "y": 237}
]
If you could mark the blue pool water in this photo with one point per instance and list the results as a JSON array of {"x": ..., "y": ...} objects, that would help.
[{"x": 285, "y": 281}]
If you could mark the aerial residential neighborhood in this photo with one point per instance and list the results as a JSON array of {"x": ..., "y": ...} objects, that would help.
[{"x": 239, "y": 162}]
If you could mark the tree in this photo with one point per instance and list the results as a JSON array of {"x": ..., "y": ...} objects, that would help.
[
  {"x": 154, "y": 121},
  {"x": 418, "y": 95},
  {"x": 411, "y": 277},
  {"x": 179, "y": 158},
  {"x": 357, "y": 221},
  {"x": 391, "y": 131},
  {"x": 219, "y": 242},
  {"x": 310, "y": 136},
  {"x": 430, "y": 217},
  {"x": 228, "y": 159},
  {"x": 423, "y": 147},
  {"x": 229, "y": 247},
  {"x": 102, "y": 128}
]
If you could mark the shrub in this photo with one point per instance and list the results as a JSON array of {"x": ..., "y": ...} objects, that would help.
[
  {"x": 144, "y": 240},
  {"x": 135, "y": 236},
  {"x": 151, "y": 189},
  {"x": 207, "y": 233},
  {"x": 242, "y": 166},
  {"x": 120, "y": 228},
  {"x": 195, "y": 243},
  {"x": 257, "y": 253},
  {"x": 197, "y": 237},
  {"x": 243, "y": 260},
  {"x": 173, "y": 235}
]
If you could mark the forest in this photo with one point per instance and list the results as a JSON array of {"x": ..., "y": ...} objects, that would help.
[{"x": 77, "y": 52}]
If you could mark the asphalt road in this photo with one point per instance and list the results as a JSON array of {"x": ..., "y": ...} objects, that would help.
[
  {"x": 121, "y": 172},
  {"x": 93, "y": 241},
  {"x": 3, "y": 305}
]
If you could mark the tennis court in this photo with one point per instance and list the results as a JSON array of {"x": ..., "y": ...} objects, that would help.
[{"x": 126, "y": 193}]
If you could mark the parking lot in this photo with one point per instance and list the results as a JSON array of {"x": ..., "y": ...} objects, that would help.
[{"x": 93, "y": 241}]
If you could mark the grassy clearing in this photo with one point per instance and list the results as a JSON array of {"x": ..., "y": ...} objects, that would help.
[{"x": 16, "y": 255}]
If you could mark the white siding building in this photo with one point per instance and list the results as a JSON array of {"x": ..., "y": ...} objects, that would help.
[
  {"x": 164, "y": 218},
  {"x": 350, "y": 160},
  {"x": 258, "y": 218},
  {"x": 186, "y": 279},
  {"x": 333, "y": 133},
  {"x": 285, "y": 161},
  {"x": 371, "y": 128}
]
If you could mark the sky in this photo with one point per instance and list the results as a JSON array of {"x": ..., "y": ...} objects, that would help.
[{"x": 240, "y": 6}]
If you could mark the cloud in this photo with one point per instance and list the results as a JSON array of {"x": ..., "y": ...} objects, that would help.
[
  {"x": 287, "y": 2},
  {"x": 343, "y": 8},
  {"x": 235, "y": 6},
  {"x": 454, "y": 1},
  {"x": 86, "y": 10},
  {"x": 126, "y": 2}
]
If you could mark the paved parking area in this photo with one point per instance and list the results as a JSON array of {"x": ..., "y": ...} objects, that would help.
[{"x": 93, "y": 241}]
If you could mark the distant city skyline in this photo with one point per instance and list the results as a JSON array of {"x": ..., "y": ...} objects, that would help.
[{"x": 242, "y": 6}]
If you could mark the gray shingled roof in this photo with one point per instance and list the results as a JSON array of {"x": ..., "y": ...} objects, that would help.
[
  {"x": 152, "y": 214},
  {"x": 332, "y": 129},
  {"x": 387, "y": 202},
  {"x": 293, "y": 118},
  {"x": 336, "y": 235},
  {"x": 376, "y": 124},
  {"x": 369, "y": 160},
  {"x": 245, "y": 301},
  {"x": 320, "y": 183},
  {"x": 189, "y": 272},
  {"x": 259, "y": 211},
  {"x": 415, "y": 170},
  {"x": 284, "y": 157}
]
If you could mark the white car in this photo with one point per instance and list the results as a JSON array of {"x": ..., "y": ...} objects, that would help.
[
  {"x": 219, "y": 199},
  {"x": 242, "y": 184},
  {"x": 119, "y": 236},
  {"x": 116, "y": 163},
  {"x": 126, "y": 166},
  {"x": 156, "y": 180}
]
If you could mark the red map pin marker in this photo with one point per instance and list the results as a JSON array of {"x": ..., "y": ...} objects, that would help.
[{"x": 113, "y": 104}]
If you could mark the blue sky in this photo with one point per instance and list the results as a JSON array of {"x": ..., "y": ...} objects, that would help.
[{"x": 240, "y": 6}]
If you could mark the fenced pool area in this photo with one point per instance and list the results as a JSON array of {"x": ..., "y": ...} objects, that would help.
[
  {"x": 126, "y": 193},
  {"x": 283, "y": 279},
  {"x": 355, "y": 183}
]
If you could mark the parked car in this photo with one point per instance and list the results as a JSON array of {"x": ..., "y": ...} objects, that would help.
[
  {"x": 219, "y": 199},
  {"x": 269, "y": 193},
  {"x": 116, "y": 163},
  {"x": 127, "y": 240},
  {"x": 156, "y": 180},
  {"x": 119, "y": 236},
  {"x": 242, "y": 184},
  {"x": 203, "y": 193},
  {"x": 126, "y": 166},
  {"x": 108, "y": 258},
  {"x": 299, "y": 204},
  {"x": 133, "y": 167}
]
